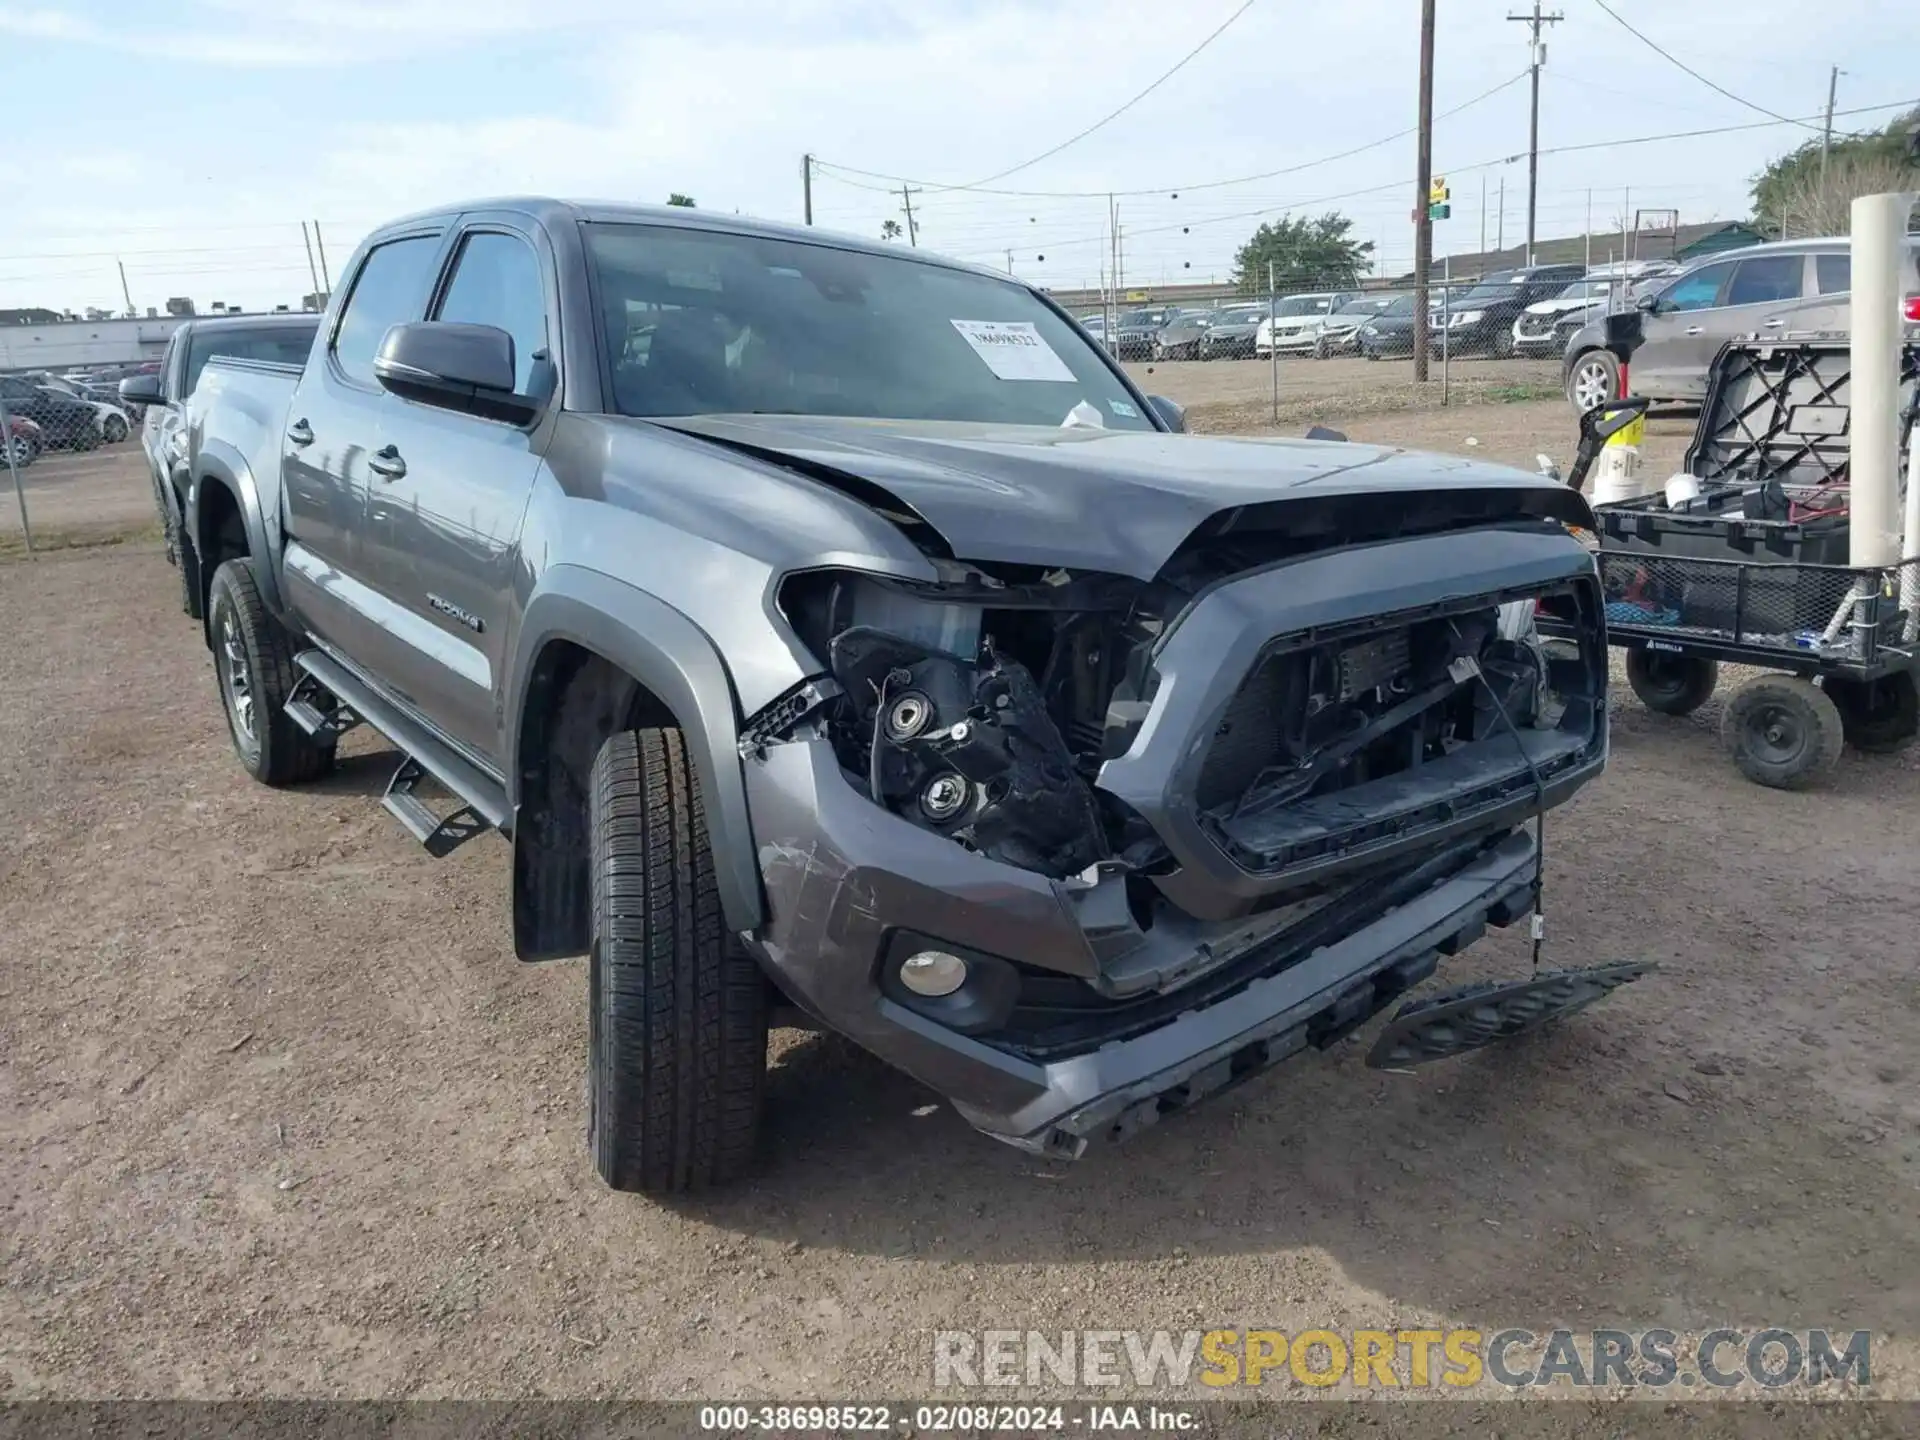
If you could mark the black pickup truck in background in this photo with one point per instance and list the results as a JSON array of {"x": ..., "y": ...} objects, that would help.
[
  {"x": 162, "y": 396},
  {"x": 840, "y": 638}
]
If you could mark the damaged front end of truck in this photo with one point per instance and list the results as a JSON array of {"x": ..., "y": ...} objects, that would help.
[{"x": 1077, "y": 847}]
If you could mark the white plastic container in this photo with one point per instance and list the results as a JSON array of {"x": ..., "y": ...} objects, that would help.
[{"x": 1617, "y": 473}]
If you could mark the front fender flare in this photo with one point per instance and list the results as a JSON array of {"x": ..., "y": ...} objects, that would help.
[
  {"x": 672, "y": 657},
  {"x": 219, "y": 461}
]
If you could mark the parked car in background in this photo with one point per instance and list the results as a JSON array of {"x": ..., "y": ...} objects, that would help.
[
  {"x": 1791, "y": 287},
  {"x": 66, "y": 421},
  {"x": 24, "y": 441},
  {"x": 1479, "y": 320},
  {"x": 1389, "y": 335},
  {"x": 1133, "y": 332},
  {"x": 1296, "y": 322},
  {"x": 281, "y": 339},
  {"x": 1230, "y": 337},
  {"x": 1181, "y": 336},
  {"x": 113, "y": 422},
  {"x": 1545, "y": 326},
  {"x": 1340, "y": 331}
]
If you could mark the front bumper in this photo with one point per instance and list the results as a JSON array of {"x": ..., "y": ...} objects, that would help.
[{"x": 842, "y": 876}]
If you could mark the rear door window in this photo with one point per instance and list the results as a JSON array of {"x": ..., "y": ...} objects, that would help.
[
  {"x": 1767, "y": 279},
  {"x": 391, "y": 288},
  {"x": 1835, "y": 273}
]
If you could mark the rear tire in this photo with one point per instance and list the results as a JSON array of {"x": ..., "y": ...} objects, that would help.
[
  {"x": 1671, "y": 684},
  {"x": 1881, "y": 718},
  {"x": 253, "y": 663},
  {"x": 676, "y": 1008},
  {"x": 1593, "y": 381},
  {"x": 1783, "y": 732}
]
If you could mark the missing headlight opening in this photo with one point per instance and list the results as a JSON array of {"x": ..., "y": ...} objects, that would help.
[{"x": 983, "y": 707}]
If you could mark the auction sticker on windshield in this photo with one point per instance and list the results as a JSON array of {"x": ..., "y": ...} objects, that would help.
[{"x": 1013, "y": 349}]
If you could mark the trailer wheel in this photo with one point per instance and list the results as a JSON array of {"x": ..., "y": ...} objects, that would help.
[
  {"x": 1671, "y": 684},
  {"x": 1783, "y": 732},
  {"x": 1878, "y": 717}
]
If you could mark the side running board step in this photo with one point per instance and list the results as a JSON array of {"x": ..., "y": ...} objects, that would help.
[
  {"x": 440, "y": 834},
  {"x": 482, "y": 797},
  {"x": 318, "y": 712}
]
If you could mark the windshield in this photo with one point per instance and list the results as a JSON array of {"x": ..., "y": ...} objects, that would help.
[
  {"x": 285, "y": 344},
  {"x": 1242, "y": 315},
  {"x": 1489, "y": 289},
  {"x": 1376, "y": 306},
  {"x": 704, "y": 323},
  {"x": 1143, "y": 319},
  {"x": 1302, "y": 305}
]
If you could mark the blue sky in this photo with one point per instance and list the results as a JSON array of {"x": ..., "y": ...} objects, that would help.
[{"x": 190, "y": 139}]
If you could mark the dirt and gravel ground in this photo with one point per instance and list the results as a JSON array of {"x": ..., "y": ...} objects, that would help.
[{"x": 281, "y": 1115}]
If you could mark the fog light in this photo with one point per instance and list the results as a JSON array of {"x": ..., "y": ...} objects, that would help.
[{"x": 933, "y": 973}]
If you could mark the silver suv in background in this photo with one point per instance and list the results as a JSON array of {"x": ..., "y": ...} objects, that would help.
[{"x": 1792, "y": 288}]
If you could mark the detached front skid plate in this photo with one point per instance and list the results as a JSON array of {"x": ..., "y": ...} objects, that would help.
[{"x": 1472, "y": 1016}]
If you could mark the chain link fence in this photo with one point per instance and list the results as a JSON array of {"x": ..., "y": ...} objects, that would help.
[
  {"x": 1530, "y": 314},
  {"x": 57, "y": 429}
]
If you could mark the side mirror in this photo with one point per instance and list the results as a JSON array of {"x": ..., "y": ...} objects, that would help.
[
  {"x": 1650, "y": 304},
  {"x": 468, "y": 368},
  {"x": 142, "y": 390},
  {"x": 1171, "y": 412}
]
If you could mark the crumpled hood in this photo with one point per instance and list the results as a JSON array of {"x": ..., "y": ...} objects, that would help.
[{"x": 1118, "y": 501}]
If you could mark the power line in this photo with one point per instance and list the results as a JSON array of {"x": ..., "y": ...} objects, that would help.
[
  {"x": 1478, "y": 165},
  {"x": 1116, "y": 114},
  {"x": 979, "y": 189},
  {"x": 1681, "y": 64}
]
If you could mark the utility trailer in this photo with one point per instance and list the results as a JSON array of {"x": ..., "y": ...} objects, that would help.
[{"x": 1752, "y": 571}]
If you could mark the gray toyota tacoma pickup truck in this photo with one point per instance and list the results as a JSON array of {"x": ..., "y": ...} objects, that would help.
[{"x": 841, "y": 638}]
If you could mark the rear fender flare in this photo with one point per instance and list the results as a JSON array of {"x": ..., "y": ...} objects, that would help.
[
  {"x": 218, "y": 461},
  {"x": 665, "y": 652}
]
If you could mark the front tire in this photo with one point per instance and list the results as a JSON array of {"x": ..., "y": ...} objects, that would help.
[
  {"x": 116, "y": 429},
  {"x": 253, "y": 662},
  {"x": 676, "y": 1008}
]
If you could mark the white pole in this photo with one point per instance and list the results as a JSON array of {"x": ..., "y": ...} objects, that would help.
[
  {"x": 1873, "y": 426},
  {"x": 1910, "y": 571}
]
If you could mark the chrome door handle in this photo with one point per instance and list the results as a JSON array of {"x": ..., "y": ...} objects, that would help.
[
  {"x": 1773, "y": 324},
  {"x": 300, "y": 432},
  {"x": 386, "y": 462},
  {"x": 1696, "y": 330}
]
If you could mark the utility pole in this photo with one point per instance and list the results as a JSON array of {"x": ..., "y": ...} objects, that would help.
[
  {"x": 906, "y": 198},
  {"x": 806, "y": 187},
  {"x": 1826, "y": 134},
  {"x": 1501, "y": 243},
  {"x": 1009, "y": 262},
  {"x": 1483, "y": 212},
  {"x": 1422, "y": 199},
  {"x": 125, "y": 294},
  {"x": 1537, "y": 53},
  {"x": 313, "y": 273},
  {"x": 320, "y": 249}
]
